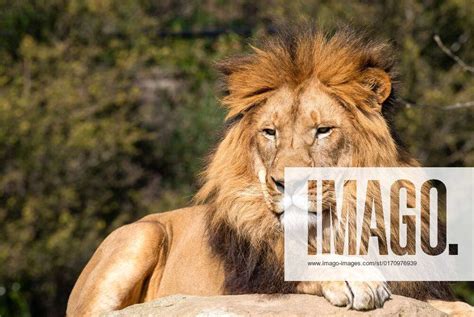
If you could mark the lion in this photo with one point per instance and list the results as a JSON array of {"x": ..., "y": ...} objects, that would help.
[{"x": 306, "y": 98}]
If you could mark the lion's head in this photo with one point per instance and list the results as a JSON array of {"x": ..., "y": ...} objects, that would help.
[{"x": 307, "y": 99}]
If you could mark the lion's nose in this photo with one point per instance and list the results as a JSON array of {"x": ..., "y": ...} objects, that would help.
[{"x": 280, "y": 184}]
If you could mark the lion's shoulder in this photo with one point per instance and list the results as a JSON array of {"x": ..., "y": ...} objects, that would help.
[
  {"x": 193, "y": 215},
  {"x": 133, "y": 253},
  {"x": 155, "y": 230},
  {"x": 177, "y": 224}
]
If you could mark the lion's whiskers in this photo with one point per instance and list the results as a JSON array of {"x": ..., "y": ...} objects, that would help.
[{"x": 262, "y": 176}]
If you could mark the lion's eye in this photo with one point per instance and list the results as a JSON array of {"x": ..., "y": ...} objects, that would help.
[
  {"x": 323, "y": 132},
  {"x": 269, "y": 133}
]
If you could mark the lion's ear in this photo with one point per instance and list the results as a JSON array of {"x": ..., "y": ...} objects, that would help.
[{"x": 379, "y": 82}]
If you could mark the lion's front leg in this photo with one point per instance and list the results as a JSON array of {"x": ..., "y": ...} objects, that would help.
[
  {"x": 355, "y": 295},
  {"x": 114, "y": 276}
]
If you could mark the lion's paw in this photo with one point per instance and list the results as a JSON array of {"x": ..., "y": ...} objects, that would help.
[{"x": 356, "y": 295}]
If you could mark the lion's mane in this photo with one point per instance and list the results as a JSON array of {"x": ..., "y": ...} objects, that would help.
[{"x": 241, "y": 231}]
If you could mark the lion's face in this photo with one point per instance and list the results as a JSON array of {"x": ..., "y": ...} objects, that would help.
[
  {"x": 315, "y": 101},
  {"x": 302, "y": 128}
]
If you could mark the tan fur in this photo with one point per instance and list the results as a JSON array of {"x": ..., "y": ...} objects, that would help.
[
  {"x": 292, "y": 86},
  {"x": 159, "y": 255}
]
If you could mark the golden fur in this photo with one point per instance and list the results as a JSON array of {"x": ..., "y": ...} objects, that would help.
[
  {"x": 357, "y": 74},
  {"x": 231, "y": 241},
  {"x": 343, "y": 64}
]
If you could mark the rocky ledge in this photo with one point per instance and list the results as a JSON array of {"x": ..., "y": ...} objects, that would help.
[{"x": 269, "y": 305}]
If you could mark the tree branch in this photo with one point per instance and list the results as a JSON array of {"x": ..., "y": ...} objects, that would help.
[
  {"x": 459, "y": 105},
  {"x": 454, "y": 106},
  {"x": 456, "y": 58},
  {"x": 464, "y": 66}
]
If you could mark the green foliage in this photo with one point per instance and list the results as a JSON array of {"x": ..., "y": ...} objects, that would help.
[{"x": 102, "y": 120}]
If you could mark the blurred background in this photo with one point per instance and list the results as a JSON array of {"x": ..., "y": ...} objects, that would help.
[{"x": 108, "y": 108}]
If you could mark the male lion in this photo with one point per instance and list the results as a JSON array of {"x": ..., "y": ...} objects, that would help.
[{"x": 302, "y": 99}]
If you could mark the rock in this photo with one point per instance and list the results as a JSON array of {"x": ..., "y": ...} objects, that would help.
[
  {"x": 453, "y": 309},
  {"x": 268, "y": 305}
]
